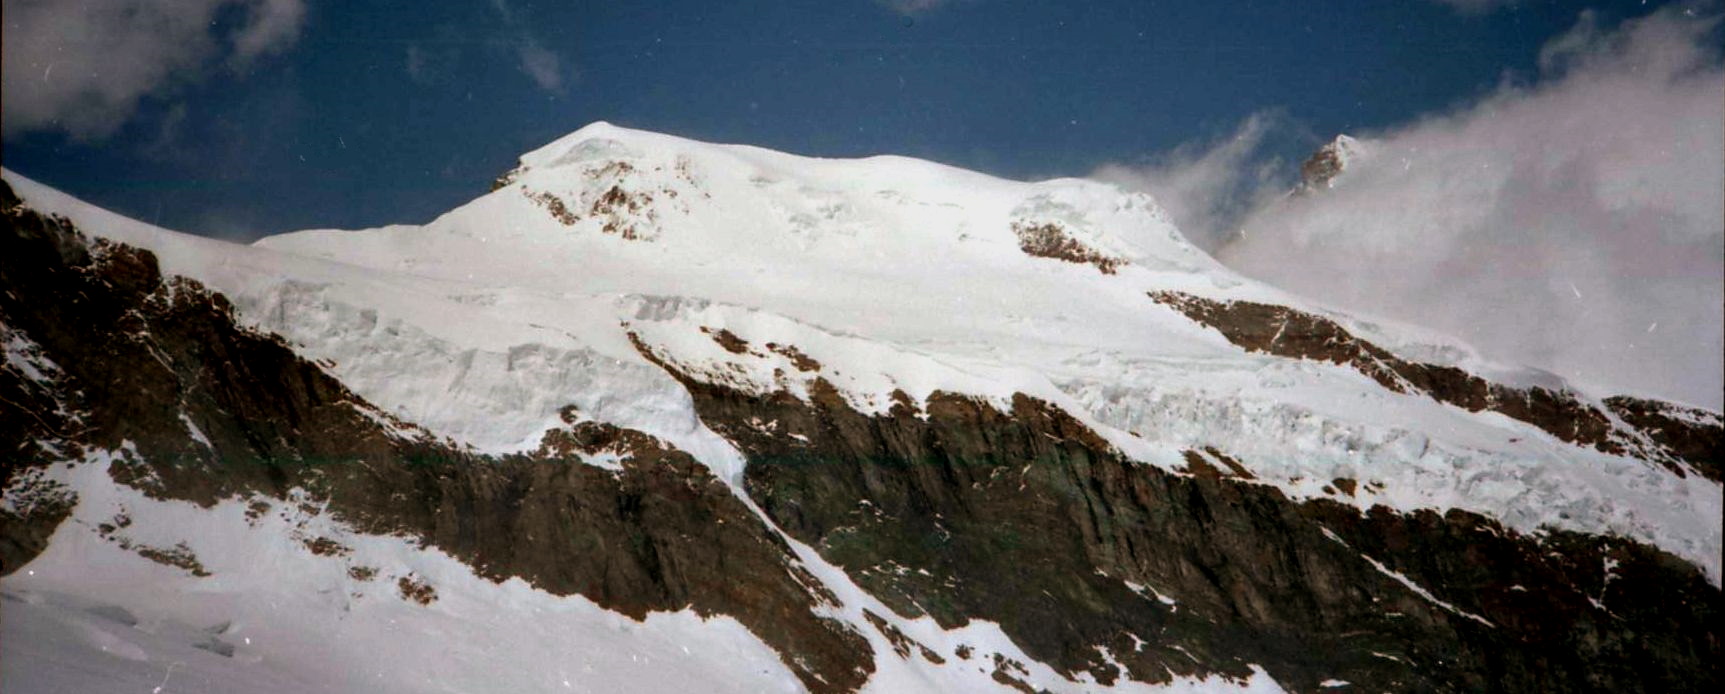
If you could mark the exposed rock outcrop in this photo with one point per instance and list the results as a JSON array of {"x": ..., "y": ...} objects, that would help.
[
  {"x": 1687, "y": 433},
  {"x": 960, "y": 511},
  {"x": 1682, "y": 439},
  {"x": 1320, "y": 170},
  {"x": 1050, "y": 240}
]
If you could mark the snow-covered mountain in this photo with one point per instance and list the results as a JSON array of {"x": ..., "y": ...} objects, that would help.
[{"x": 657, "y": 414}]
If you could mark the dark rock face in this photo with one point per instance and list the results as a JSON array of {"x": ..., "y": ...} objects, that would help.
[
  {"x": 1319, "y": 171},
  {"x": 1682, "y": 439},
  {"x": 141, "y": 360},
  {"x": 1694, "y": 435},
  {"x": 660, "y": 534},
  {"x": 38, "y": 506},
  {"x": 1050, "y": 240},
  {"x": 1025, "y": 517}
]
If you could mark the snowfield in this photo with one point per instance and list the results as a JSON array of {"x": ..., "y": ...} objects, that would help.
[
  {"x": 295, "y": 602},
  {"x": 273, "y": 616},
  {"x": 893, "y": 274}
]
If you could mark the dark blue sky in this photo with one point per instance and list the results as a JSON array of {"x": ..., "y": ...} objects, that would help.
[{"x": 337, "y": 130}]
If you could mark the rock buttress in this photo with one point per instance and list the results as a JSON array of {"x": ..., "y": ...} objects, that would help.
[
  {"x": 1025, "y": 517},
  {"x": 1682, "y": 439}
]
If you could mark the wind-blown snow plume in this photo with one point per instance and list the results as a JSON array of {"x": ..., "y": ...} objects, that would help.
[
  {"x": 1573, "y": 225},
  {"x": 542, "y": 65},
  {"x": 1208, "y": 187}
]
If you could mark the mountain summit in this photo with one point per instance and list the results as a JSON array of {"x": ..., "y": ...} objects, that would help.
[
  {"x": 1320, "y": 170},
  {"x": 654, "y": 413}
]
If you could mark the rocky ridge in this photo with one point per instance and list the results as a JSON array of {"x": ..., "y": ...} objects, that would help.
[{"x": 1319, "y": 171}]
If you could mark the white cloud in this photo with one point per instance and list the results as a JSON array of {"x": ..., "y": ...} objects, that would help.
[
  {"x": 542, "y": 65},
  {"x": 1576, "y": 225},
  {"x": 272, "y": 25},
  {"x": 82, "y": 66},
  {"x": 417, "y": 64},
  {"x": 1208, "y": 187}
]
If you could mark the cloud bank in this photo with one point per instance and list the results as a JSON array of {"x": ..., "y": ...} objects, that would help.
[
  {"x": 1576, "y": 225},
  {"x": 1208, "y": 187},
  {"x": 83, "y": 66}
]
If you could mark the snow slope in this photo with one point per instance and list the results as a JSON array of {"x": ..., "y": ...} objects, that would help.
[
  {"x": 273, "y": 615},
  {"x": 893, "y": 274}
]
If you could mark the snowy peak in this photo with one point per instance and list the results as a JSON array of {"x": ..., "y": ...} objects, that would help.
[{"x": 603, "y": 180}]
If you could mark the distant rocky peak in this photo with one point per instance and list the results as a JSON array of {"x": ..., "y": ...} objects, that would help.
[{"x": 1320, "y": 170}]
